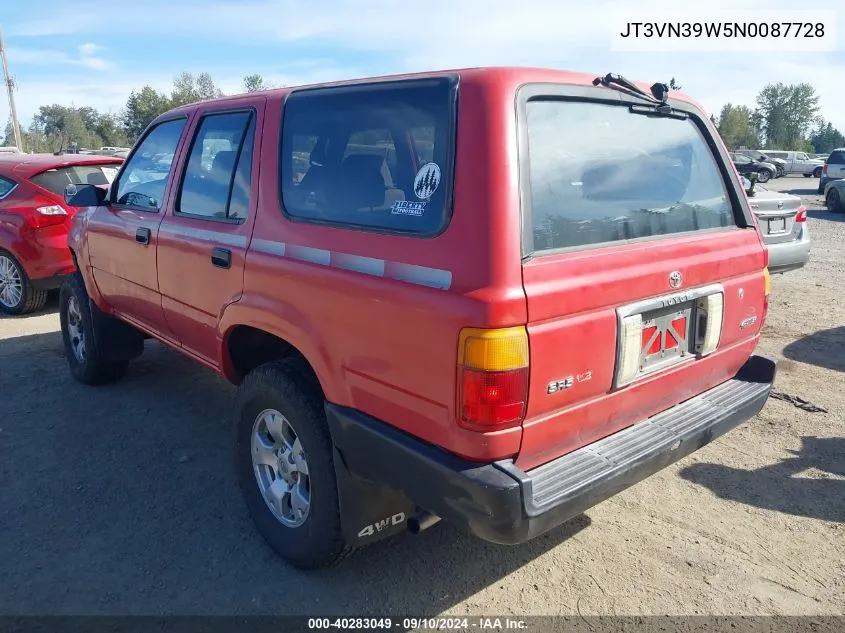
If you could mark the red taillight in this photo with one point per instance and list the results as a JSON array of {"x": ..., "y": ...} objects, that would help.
[
  {"x": 492, "y": 378},
  {"x": 801, "y": 215},
  {"x": 824, "y": 170},
  {"x": 47, "y": 214},
  {"x": 493, "y": 399}
]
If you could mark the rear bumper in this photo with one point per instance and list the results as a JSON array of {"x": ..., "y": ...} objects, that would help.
[
  {"x": 500, "y": 503},
  {"x": 44, "y": 255},
  {"x": 50, "y": 283},
  {"x": 787, "y": 256}
]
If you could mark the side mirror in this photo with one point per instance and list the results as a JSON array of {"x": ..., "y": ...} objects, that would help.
[{"x": 84, "y": 195}]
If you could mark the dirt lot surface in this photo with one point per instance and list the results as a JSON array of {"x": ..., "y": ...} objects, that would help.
[{"x": 122, "y": 499}]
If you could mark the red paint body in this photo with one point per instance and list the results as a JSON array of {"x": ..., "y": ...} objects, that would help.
[
  {"x": 42, "y": 251},
  {"x": 388, "y": 348}
]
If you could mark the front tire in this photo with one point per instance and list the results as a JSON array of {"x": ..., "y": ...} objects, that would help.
[
  {"x": 284, "y": 458},
  {"x": 83, "y": 355},
  {"x": 764, "y": 176},
  {"x": 17, "y": 294},
  {"x": 834, "y": 201},
  {"x": 817, "y": 173}
]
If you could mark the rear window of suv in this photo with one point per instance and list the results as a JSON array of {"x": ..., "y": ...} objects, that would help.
[
  {"x": 55, "y": 180},
  {"x": 373, "y": 157},
  {"x": 836, "y": 158},
  {"x": 599, "y": 174}
]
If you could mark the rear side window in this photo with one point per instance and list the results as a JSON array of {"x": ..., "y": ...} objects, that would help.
[
  {"x": 599, "y": 174},
  {"x": 217, "y": 177},
  {"x": 836, "y": 158},
  {"x": 375, "y": 157},
  {"x": 6, "y": 186},
  {"x": 55, "y": 180}
]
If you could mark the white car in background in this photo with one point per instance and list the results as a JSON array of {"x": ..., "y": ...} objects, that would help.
[{"x": 834, "y": 168}]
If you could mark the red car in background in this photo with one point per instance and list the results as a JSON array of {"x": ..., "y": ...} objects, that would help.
[{"x": 34, "y": 257}]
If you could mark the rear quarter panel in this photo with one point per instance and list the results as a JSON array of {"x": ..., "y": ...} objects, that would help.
[{"x": 382, "y": 346}]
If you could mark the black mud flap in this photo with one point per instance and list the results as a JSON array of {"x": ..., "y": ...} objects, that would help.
[
  {"x": 369, "y": 511},
  {"x": 116, "y": 340}
]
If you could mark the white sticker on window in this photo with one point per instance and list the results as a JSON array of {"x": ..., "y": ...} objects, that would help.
[
  {"x": 109, "y": 173},
  {"x": 427, "y": 181},
  {"x": 408, "y": 207}
]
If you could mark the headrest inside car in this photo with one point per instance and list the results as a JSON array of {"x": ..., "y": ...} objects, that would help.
[{"x": 361, "y": 182}]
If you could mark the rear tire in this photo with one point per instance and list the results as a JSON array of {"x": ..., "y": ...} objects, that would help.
[
  {"x": 834, "y": 201},
  {"x": 284, "y": 459},
  {"x": 17, "y": 294},
  {"x": 80, "y": 341}
]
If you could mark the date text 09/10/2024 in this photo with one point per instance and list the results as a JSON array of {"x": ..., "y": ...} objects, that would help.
[{"x": 417, "y": 624}]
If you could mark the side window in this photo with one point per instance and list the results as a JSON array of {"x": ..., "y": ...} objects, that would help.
[
  {"x": 6, "y": 186},
  {"x": 375, "y": 143},
  {"x": 219, "y": 168},
  {"x": 739, "y": 159},
  {"x": 144, "y": 178},
  {"x": 802, "y": 157},
  {"x": 350, "y": 156}
]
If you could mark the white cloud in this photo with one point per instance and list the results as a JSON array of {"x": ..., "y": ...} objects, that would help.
[
  {"x": 423, "y": 36},
  {"x": 88, "y": 49},
  {"x": 85, "y": 56}
]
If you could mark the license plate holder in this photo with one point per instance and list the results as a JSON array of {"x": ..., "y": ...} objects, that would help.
[
  {"x": 777, "y": 225},
  {"x": 667, "y": 336}
]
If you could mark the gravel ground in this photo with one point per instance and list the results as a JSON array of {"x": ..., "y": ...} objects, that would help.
[{"x": 122, "y": 500}]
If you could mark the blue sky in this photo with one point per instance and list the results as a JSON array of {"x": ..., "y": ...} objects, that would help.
[{"x": 95, "y": 53}]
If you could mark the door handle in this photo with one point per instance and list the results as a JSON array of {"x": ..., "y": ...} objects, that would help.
[
  {"x": 142, "y": 235},
  {"x": 221, "y": 257}
]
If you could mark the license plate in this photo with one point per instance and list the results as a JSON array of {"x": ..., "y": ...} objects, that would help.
[{"x": 778, "y": 225}]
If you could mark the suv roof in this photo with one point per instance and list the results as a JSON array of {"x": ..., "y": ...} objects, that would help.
[{"x": 505, "y": 74}]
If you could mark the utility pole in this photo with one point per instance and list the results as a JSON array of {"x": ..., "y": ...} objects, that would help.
[{"x": 10, "y": 88}]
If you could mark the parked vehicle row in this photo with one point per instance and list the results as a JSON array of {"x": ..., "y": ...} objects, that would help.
[{"x": 760, "y": 157}]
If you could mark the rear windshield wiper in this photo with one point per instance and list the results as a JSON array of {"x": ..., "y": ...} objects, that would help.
[{"x": 658, "y": 96}]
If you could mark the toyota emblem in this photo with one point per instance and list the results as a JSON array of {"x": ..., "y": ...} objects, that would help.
[{"x": 675, "y": 279}]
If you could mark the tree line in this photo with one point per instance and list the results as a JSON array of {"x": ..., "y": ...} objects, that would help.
[
  {"x": 57, "y": 127},
  {"x": 784, "y": 117}
]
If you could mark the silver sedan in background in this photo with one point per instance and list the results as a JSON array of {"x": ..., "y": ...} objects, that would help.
[{"x": 783, "y": 225}]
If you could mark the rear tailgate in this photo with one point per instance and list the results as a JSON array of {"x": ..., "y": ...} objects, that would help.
[
  {"x": 835, "y": 165},
  {"x": 643, "y": 272}
]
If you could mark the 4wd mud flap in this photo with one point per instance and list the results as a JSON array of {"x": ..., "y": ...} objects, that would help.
[
  {"x": 369, "y": 511},
  {"x": 116, "y": 340}
]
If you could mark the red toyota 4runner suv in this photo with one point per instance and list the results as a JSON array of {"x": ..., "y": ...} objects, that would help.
[{"x": 493, "y": 296}]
